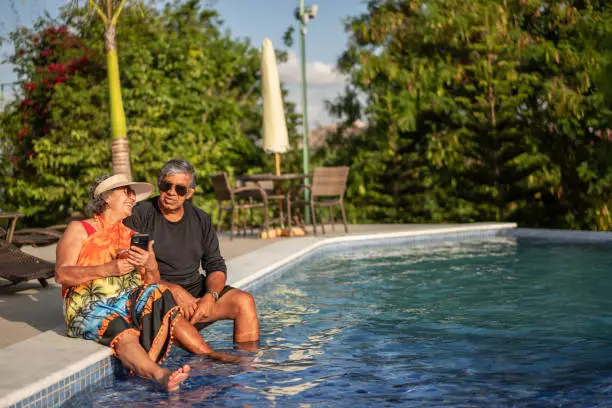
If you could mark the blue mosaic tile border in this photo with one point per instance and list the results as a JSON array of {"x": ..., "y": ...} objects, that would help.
[
  {"x": 62, "y": 391},
  {"x": 109, "y": 367},
  {"x": 559, "y": 235}
]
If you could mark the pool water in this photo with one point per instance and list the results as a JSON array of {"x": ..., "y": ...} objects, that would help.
[{"x": 486, "y": 323}]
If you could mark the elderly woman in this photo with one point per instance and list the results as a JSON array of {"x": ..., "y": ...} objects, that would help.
[{"x": 110, "y": 288}]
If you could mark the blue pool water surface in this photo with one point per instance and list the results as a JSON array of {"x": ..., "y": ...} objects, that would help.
[{"x": 474, "y": 323}]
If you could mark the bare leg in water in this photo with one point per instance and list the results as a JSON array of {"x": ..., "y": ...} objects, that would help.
[
  {"x": 235, "y": 305},
  {"x": 135, "y": 358},
  {"x": 188, "y": 337}
]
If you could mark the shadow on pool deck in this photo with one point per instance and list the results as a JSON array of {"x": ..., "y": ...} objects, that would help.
[{"x": 27, "y": 309}]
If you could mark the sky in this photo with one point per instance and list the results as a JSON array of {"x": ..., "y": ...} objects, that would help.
[{"x": 254, "y": 19}]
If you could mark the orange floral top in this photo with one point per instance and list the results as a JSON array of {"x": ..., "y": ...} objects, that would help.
[{"x": 100, "y": 247}]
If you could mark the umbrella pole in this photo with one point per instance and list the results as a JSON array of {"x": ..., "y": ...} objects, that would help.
[{"x": 277, "y": 156}]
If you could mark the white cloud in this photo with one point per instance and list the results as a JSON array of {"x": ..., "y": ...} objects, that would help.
[
  {"x": 324, "y": 81},
  {"x": 317, "y": 72},
  {"x": 317, "y": 95}
]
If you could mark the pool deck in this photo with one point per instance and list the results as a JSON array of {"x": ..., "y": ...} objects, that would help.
[{"x": 34, "y": 352}]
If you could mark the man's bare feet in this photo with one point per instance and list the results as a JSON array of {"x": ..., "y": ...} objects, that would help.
[
  {"x": 172, "y": 379},
  {"x": 223, "y": 357}
]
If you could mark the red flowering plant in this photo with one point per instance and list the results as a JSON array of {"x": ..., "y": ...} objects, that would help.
[
  {"x": 51, "y": 61},
  {"x": 46, "y": 59}
]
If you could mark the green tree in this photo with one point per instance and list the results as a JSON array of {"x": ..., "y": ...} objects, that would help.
[
  {"x": 564, "y": 47},
  {"x": 477, "y": 111},
  {"x": 189, "y": 89}
]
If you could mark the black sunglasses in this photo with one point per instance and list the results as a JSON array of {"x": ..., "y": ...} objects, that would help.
[
  {"x": 167, "y": 186},
  {"x": 129, "y": 191}
]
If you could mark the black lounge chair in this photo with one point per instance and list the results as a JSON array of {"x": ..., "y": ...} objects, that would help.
[
  {"x": 38, "y": 236},
  {"x": 18, "y": 266}
]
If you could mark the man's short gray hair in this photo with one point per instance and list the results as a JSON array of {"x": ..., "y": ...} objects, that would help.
[
  {"x": 175, "y": 166},
  {"x": 97, "y": 205}
]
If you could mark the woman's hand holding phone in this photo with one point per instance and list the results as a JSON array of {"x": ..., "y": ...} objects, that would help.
[
  {"x": 143, "y": 259},
  {"x": 139, "y": 257}
]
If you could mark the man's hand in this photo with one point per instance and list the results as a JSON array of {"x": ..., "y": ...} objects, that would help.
[
  {"x": 206, "y": 304},
  {"x": 190, "y": 309}
]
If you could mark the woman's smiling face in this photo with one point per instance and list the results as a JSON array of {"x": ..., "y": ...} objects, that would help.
[{"x": 121, "y": 201}]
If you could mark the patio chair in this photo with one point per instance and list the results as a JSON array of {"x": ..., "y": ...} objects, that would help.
[
  {"x": 236, "y": 199},
  {"x": 274, "y": 195},
  {"x": 17, "y": 266},
  {"x": 327, "y": 190}
]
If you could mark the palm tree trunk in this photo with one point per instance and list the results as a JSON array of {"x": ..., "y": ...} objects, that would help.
[{"x": 120, "y": 148}]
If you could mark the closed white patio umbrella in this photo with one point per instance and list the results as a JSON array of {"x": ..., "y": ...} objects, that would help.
[{"x": 275, "y": 128}]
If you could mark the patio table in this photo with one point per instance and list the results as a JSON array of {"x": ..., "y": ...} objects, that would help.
[
  {"x": 282, "y": 185},
  {"x": 12, "y": 223}
]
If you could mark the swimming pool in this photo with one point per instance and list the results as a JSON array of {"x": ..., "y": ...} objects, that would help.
[{"x": 492, "y": 322}]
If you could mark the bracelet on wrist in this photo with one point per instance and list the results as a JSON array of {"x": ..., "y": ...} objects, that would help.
[{"x": 214, "y": 294}]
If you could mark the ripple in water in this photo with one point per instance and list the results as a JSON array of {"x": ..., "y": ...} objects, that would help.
[{"x": 476, "y": 323}]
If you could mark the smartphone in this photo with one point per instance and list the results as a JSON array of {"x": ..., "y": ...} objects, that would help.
[{"x": 141, "y": 241}]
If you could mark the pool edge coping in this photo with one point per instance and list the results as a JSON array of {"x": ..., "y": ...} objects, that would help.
[{"x": 22, "y": 394}]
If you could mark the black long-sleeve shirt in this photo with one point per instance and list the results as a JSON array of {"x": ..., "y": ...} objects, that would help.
[{"x": 182, "y": 246}]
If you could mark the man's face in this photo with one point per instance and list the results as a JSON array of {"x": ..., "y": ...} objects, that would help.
[{"x": 174, "y": 190}]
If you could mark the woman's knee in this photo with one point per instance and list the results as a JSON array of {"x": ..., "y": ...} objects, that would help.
[{"x": 126, "y": 340}]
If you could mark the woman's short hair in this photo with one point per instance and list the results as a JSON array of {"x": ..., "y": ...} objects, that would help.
[
  {"x": 175, "y": 166},
  {"x": 97, "y": 205}
]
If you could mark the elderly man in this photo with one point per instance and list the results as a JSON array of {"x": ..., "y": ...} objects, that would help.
[{"x": 185, "y": 239}]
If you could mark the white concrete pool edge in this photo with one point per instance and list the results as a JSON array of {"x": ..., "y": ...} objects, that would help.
[{"x": 31, "y": 366}]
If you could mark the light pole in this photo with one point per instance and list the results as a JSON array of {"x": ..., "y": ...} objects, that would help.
[{"x": 304, "y": 15}]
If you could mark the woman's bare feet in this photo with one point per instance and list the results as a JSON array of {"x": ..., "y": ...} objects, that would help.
[{"x": 171, "y": 380}]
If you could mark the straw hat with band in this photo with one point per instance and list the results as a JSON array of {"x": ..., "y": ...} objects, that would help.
[{"x": 142, "y": 190}]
